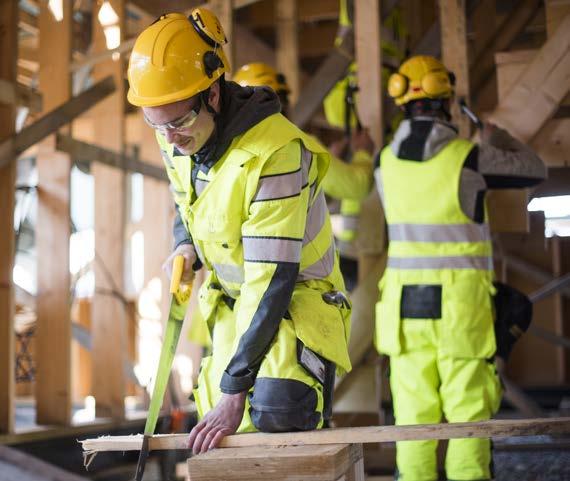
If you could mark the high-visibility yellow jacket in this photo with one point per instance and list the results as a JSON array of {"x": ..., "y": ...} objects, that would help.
[
  {"x": 259, "y": 222},
  {"x": 440, "y": 262}
]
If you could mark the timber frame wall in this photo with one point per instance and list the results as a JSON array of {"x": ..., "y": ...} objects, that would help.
[{"x": 104, "y": 135}]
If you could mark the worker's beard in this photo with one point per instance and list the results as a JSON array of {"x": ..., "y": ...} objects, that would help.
[{"x": 200, "y": 133}]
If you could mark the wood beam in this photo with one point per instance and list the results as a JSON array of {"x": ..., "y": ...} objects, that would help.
[
  {"x": 8, "y": 53},
  {"x": 329, "y": 73},
  {"x": 85, "y": 152},
  {"x": 109, "y": 313},
  {"x": 51, "y": 122},
  {"x": 537, "y": 94},
  {"x": 53, "y": 341},
  {"x": 287, "y": 34},
  {"x": 483, "y": 70},
  {"x": 454, "y": 50},
  {"x": 367, "y": 32},
  {"x": 20, "y": 95},
  {"x": 372, "y": 434}
]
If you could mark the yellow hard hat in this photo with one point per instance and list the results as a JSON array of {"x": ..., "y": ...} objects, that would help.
[
  {"x": 420, "y": 77},
  {"x": 259, "y": 74},
  {"x": 175, "y": 58}
]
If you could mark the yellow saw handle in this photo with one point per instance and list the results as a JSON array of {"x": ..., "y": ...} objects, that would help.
[
  {"x": 177, "y": 269},
  {"x": 181, "y": 292}
]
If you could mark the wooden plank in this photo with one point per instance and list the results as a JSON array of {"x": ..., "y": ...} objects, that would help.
[
  {"x": 109, "y": 316},
  {"x": 540, "y": 89},
  {"x": 50, "y": 123},
  {"x": 367, "y": 35},
  {"x": 483, "y": 65},
  {"x": 556, "y": 10},
  {"x": 454, "y": 54},
  {"x": 329, "y": 73},
  {"x": 8, "y": 52},
  {"x": 508, "y": 210},
  {"x": 371, "y": 434},
  {"x": 85, "y": 152},
  {"x": 320, "y": 463},
  {"x": 53, "y": 342},
  {"x": 18, "y": 94},
  {"x": 287, "y": 44}
]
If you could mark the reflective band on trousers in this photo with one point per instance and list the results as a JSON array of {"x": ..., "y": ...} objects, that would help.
[
  {"x": 451, "y": 262},
  {"x": 439, "y": 232},
  {"x": 271, "y": 249}
]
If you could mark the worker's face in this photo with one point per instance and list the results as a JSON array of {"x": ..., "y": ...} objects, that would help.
[{"x": 187, "y": 123}]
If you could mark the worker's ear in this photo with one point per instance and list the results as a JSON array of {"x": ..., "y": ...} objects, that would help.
[{"x": 214, "y": 96}]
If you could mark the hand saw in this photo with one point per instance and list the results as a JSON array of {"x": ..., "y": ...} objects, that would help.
[{"x": 179, "y": 297}]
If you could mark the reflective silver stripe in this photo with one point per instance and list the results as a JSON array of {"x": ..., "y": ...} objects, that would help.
[
  {"x": 312, "y": 193},
  {"x": 279, "y": 186},
  {"x": 166, "y": 159},
  {"x": 349, "y": 222},
  {"x": 230, "y": 272},
  {"x": 439, "y": 232},
  {"x": 306, "y": 161},
  {"x": 200, "y": 185},
  {"x": 315, "y": 218},
  {"x": 379, "y": 184},
  {"x": 271, "y": 249},
  {"x": 320, "y": 269},
  {"x": 452, "y": 262}
]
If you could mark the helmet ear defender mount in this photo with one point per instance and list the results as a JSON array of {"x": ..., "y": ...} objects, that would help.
[{"x": 210, "y": 59}]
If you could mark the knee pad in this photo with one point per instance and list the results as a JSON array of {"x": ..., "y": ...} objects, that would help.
[{"x": 278, "y": 405}]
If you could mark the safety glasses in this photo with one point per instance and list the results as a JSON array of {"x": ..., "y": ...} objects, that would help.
[{"x": 176, "y": 125}]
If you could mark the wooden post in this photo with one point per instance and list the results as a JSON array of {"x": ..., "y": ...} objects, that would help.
[
  {"x": 223, "y": 9},
  {"x": 288, "y": 45},
  {"x": 53, "y": 346},
  {"x": 8, "y": 55},
  {"x": 109, "y": 316},
  {"x": 369, "y": 56},
  {"x": 454, "y": 54}
]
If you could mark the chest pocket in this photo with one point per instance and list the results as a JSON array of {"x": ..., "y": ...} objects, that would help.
[{"x": 217, "y": 215}]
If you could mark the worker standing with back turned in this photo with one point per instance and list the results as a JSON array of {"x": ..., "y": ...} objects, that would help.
[
  {"x": 247, "y": 185},
  {"x": 435, "y": 315}
]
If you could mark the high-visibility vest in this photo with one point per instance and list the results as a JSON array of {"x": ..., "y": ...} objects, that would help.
[{"x": 434, "y": 243}]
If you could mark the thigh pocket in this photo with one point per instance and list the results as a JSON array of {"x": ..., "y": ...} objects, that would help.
[
  {"x": 387, "y": 333},
  {"x": 278, "y": 405}
]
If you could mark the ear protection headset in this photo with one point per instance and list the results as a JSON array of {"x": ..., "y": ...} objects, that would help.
[
  {"x": 210, "y": 30},
  {"x": 433, "y": 84}
]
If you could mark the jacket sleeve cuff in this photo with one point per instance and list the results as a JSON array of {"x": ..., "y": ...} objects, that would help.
[{"x": 234, "y": 384}]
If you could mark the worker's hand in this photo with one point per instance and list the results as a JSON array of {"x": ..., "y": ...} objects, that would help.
[
  {"x": 189, "y": 253},
  {"x": 361, "y": 140},
  {"x": 338, "y": 148},
  {"x": 221, "y": 421}
]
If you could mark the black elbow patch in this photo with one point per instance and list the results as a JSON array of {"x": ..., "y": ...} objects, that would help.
[{"x": 472, "y": 159}]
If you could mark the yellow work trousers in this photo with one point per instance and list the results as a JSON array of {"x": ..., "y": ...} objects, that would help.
[
  {"x": 285, "y": 396},
  {"x": 427, "y": 386}
]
